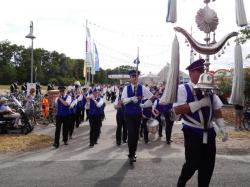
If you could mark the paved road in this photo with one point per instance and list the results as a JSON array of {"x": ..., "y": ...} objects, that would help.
[{"x": 106, "y": 164}]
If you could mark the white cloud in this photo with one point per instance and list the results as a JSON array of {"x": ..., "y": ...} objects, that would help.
[{"x": 59, "y": 25}]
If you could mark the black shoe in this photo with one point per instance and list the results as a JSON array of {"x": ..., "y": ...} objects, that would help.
[
  {"x": 65, "y": 143},
  {"x": 91, "y": 145},
  {"x": 70, "y": 137},
  {"x": 146, "y": 141},
  {"x": 160, "y": 135},
  {"x": 96, "y": 142},
  {"x": 118, "y": 144},
  {"x": 169, "y": 142},
  {"x": 132, "y": 159},
  {"x": 124, "y": 141},
  {"x": 55, "y": 145}
]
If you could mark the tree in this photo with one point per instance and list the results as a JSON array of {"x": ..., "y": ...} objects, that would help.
[
  {"x": 247, "y": 83},
  {"x": 244, "y": 36},
  {"x": 225, "y": 85},
  {"x": 48, "y": 66}
]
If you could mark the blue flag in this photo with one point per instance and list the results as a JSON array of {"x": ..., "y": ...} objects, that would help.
[{"x": 97, "y": 68}]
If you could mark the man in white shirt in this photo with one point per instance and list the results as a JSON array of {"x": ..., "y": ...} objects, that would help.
[
  {"x": 62, "y": 103},
  {"x": 197, "y": 112},
  {"x": 131, "y": 98}
]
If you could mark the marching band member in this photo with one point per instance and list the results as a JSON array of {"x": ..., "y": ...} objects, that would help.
[
  {"x": 160, "y": 110},
  {"x": 131, "y": 97},
  {"x": 121, "y": 130},
  {"x": 197, "y": 110},
  {"x": 73, "y": 114},
  {"x": 146, "y": 115},
  {"x": 62, "y": 103},
  {"x": 79, "y": 106},
  {"x": 157, "y": 110},
  {"x": 95, "y": 112}
]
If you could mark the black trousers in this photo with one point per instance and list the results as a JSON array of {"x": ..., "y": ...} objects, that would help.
[
  {"x": 61, "y": 120},
  {"x": 158, "y": 118},
  {"x": 94, "y": 121},
  {"x": 72, "y": 123},
  {"x": 113, "y": 97},
  {"x": 133, "y": 125},
  {"x": 121, "y": 130},
  {"x": 87, "y": 113},
  {"x": 108, "y": 95},
  {"x": 78, "y": 117},
  {"x": 169, "y": 125},
  {"x": 144, "y": 129},
  {"x": 199, "y": 157},
  {"x": 82, "y": 114}
]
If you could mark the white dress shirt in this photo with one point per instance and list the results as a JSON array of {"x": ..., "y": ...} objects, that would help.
[
  {"x": 182, "y": 97},
  {"x": 145, "y": 92}
]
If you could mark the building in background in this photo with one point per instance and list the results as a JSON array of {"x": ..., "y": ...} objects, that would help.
[{"x": 161, "y": 77}]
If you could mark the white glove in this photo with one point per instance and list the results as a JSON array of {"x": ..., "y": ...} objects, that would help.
[
  {"x": 74, "y": 103},
  {"x": 79, "y": 98},
  {"x": 134, "y": 99},
  {"x": 222, "y": 128},
  {"x": 147, "y": 104},
  {"x": 127, "y": 100},
  {"x": 197, "y": 105}
]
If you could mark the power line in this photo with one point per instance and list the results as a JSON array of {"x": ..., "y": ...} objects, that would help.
[{"x": 125, "y": 34}]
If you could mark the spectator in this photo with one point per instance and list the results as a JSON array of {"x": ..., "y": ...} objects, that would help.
[{"x": 238, "y": 117}]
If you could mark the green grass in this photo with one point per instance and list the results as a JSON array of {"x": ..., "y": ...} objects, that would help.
[{"x": 4, "y": 87}]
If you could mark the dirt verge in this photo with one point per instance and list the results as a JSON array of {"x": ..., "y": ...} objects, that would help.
[{"x": 21, "y": 143}]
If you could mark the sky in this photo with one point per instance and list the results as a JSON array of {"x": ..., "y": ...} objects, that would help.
[{"x": 118, "y": 28}]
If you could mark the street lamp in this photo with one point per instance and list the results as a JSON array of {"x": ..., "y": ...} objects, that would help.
[{"x": 32, "y": 37}]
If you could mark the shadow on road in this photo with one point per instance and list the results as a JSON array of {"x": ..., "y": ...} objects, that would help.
[{"x": 116, "y": 179}]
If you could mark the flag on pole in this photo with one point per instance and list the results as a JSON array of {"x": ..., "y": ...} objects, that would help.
[
  {"x": 96, "y": 59},
  {"x": 84, "y": 72},
  {"x": 92, "y": 60},
  {"x": 88, "y": 48}
]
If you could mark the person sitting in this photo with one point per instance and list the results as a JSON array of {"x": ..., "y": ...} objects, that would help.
[{"x": 8, "y": 112}]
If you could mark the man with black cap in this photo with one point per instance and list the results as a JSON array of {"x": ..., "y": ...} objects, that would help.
[
  {"x": 95, "y": 112},
  {"x": 197, "y": 110},
  {"x": 131, "y": 98},
  {"x": 62, "y": 103},
  {"x": 121, "y": 129}
]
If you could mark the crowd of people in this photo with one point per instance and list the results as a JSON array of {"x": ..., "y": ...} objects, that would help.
[{"x": 136, "y": 104}]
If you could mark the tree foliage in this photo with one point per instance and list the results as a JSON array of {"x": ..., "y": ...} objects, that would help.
[
  {"x": 244, "y": 35},
  {"x": 49, "y": 67}
]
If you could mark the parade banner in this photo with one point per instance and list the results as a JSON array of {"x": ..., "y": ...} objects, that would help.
[
  {"x": 84, "y": 71},
  {"x": 88, "y": 48},
  {"x": 96, "y": 59}
]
